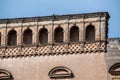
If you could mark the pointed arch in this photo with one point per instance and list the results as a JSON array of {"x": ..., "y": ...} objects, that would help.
[
  {"x": 12, "y": 38},
  {"x": 74, "y": 34},
  {"x": 58, "y": 35},
  {"x": 27, "y": 37},
  {"x": 43, "y": 36},
  {"x": 90, "y": 33},
  {"x": 60, "y": 72},
  {"x": 115, "y": 69},
  {"x": 5, "y": 75}
]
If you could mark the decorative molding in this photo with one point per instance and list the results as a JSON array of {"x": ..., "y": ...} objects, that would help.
[
  {"x": 58, "y": 17},
  {"x": 52, "y": 48},
  {"x": 60, "y": 72},
  {"x": 5, "y": 75},
  {"x": 115, "y": 69},
  {"x": 58, "y": 49}
]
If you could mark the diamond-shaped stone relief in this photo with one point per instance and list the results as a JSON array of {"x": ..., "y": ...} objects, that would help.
[
  {"x": 90, "y": 47},
  {"x": 28, "y": 50},
  {"x": 43, "y": 49},
  {"x": 53, "y": 49},
  {"x": 59, "y": 48},
  {"x": 102, "y": 46},
  {"x": 11, "y": 51},
  {"x": 74, "y": 47}
]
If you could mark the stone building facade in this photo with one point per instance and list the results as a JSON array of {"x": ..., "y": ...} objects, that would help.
[{"x": 58, "y": 47}]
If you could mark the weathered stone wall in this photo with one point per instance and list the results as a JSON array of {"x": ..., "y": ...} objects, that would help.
[
  {"x": 86, "y": 60},
  {"x": 66, "y": 22},
  {"x": 84, "y": 66},
  {"x": 112, "y": 56},
  {"x": 98, "y": 20}
]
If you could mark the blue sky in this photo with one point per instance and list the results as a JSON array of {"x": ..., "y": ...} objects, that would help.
[{"x": 30, "y": 8}]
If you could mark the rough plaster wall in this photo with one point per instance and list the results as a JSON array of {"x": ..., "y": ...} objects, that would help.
[
  {"x": 90, "y": 66},
  {"x": 113, "y": 54}
]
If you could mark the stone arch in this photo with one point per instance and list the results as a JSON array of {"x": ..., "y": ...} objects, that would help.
[
  {"x": 74, "y": 34},
  {"x": 27, "y": 37},
  {"x": 115, "y": 69},
  {"x": 90, "y": 33},
  {"x": 5, "y": 75},
  {"x": 12, "y": 38},
  {"x": 43, "y": 36},
  {"x": 60, "y": 72},
  {"x": 58, "y": 35}
]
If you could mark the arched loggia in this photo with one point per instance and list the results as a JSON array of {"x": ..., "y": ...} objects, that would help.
[
  {"x": 12, "y": 38},
  {"x": 90, "y": 33},
  {"x": 43, "y": 36},
  {"x": 58, "y": 35},
  {"x": 74, "y": 34},
  {"x": 27, "y": 37}
]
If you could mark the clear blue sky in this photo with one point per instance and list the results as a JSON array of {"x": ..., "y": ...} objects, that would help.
[{"x": 30, "y": 8}]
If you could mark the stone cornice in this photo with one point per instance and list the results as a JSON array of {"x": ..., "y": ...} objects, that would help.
[{"x": 55, "y": 17}]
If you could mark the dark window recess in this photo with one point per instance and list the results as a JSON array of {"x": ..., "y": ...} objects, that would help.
[
  {"x": 27, "y": 37},
  {"x": 90, "y": 33},
  {"x": 12, "y": 38},
  {"x": 58, "y": 35},
  {"x": 43, "y": 36},
  {"x": 74, "y": 34}
]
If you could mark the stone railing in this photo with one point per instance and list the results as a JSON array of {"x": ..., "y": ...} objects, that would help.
[{"x": 57, "y": 49}]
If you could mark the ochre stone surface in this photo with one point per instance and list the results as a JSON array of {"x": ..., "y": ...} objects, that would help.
[{"x": 86, "y": 60}]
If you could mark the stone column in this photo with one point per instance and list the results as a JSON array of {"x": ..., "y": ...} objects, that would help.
[
  {"x": 19, "y": 36},
  {"x": 97, "y": 30},
  {"x": 66, "y": 32},
  {"x": 69, "y": 29},
  {"x": 35, "y": 35},
  {"x": 103, "y": 30},
  {"x": 4, "y": 36},
  {"x": 50, "y": 34},
  {"x": 84, "y": 31},
  {"x": 81, "y": 32}
]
